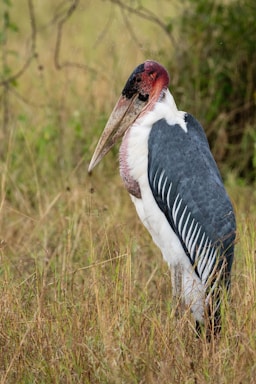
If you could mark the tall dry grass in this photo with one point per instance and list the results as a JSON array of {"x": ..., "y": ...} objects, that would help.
[{"x": 86, "y": 297}]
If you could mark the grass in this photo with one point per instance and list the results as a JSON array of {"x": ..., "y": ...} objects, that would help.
[
  {"x": 85, "y": 297},
  {"x": 84, "y": 294}
]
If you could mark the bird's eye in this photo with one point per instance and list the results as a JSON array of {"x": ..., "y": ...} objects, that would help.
[
  {"x": 138, "y": 80},
  {"x": 143, "y": 97}
]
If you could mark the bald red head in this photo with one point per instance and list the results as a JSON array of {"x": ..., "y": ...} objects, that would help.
[
  {"x": 148, "y": 80},
  {"x": 142, "y": 90}
]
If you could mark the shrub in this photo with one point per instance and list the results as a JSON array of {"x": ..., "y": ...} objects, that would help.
[{"x": 216, "y": 60}]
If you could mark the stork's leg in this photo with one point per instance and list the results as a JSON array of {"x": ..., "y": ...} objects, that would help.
[
  {"x": 188, "y": 293},
  {"x": 177, "y": 288},
  {"x": 176, "y": 273}
]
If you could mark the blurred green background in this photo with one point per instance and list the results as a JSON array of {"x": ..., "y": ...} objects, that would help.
[{"x": 63, "y": 64}]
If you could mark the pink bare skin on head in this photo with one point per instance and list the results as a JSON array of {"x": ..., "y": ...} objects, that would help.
[{"x": 143, "y": 89}]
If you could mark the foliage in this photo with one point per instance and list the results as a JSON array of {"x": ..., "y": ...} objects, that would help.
[
  {"x": 208, "y": 47},
  {"x": 217, "y": 65}
]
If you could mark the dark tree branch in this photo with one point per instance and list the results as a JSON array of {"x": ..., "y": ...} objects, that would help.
[
  {"x": 146, "y": 14},
  {"x": 13, "y": 90},
  {"x": 129, "y": 27},
  {"x": 103, "y": 33},
  {"x": 6, "y": 82},
  {"x": 60, "y": 25}
]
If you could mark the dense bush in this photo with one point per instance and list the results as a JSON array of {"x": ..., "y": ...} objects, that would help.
[{"x": 216, "y": 61}]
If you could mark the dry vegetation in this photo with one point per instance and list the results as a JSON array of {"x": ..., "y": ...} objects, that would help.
[{"x": 84, "y": 294}]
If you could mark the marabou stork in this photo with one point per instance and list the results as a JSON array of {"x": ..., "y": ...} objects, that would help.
[{"x": 168, "y": 169}]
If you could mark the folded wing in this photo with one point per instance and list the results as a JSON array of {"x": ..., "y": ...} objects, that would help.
[{"x": 188, "y": 188}]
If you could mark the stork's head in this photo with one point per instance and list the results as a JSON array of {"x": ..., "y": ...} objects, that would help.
[{"x": 143, "y": 89}]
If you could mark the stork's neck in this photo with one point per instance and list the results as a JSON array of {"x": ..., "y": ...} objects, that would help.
[
  {"x": 166, "y": 109},
  {"x": 134, "y": 147},
  {"x": 130, "y": 183}
]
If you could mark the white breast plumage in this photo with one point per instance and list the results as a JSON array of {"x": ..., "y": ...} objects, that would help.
[{"x": 151, "y": 215}]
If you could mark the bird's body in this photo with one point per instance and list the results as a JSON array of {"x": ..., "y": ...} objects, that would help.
[{"x": 174, "y": 182}]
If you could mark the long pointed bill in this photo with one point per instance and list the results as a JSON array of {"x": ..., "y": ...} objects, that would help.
[{"x": 122, "y": 117}]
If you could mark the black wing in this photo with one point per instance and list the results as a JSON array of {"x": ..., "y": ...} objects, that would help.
[{"x": 188, "y": 188}]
